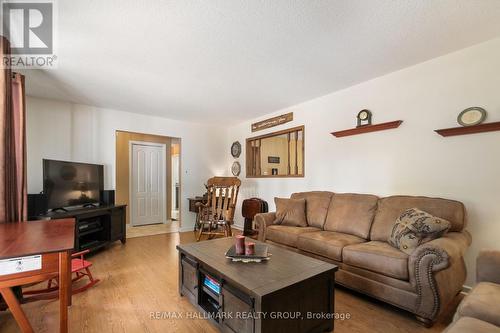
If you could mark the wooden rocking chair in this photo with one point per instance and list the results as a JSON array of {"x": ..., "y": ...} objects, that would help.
[
  {"x": 217, "y": 214},
  {"x": 79, "y": 266}
]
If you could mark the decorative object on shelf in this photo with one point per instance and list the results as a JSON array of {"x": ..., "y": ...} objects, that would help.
[
  {"x": 236, "y": 168},
  {"x": 472, "y": 116},
  {"x": 364, "y": 118},
  {"x": 236, "y": 149},
  {"x": 271, "y": 122},
  {"x": 273, "y": 159},
  {"x": 367, "y": 129},
  {"x": 481, "y": 128}
]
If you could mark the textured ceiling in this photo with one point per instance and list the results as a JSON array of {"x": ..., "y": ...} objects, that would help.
[{"x": 231, "y": 60}]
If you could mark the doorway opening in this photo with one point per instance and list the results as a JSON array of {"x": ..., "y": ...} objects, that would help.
[{"x": 148, "y": 181}]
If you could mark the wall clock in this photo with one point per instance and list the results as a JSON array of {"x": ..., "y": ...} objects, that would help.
[
  {"x": 236, "y": 149},
  {"x": 364, "y": 118},
  {"x": 236, "y": 168},
  {"x": 471, "y": 116}
]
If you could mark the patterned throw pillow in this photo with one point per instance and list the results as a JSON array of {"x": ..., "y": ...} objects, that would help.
[
  {"x": 415, "y": 227},
  {"x": 291, "y": 212}
]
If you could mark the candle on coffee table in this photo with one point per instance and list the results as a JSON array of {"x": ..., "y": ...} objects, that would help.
[
  {"x": 240, "y": 244},
  {"x": 249, "y": 249}
]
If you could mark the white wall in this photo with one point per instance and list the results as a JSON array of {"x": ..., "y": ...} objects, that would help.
[
  {"x": 411, "y": 159},
  {"x": 65, "y": 131}
]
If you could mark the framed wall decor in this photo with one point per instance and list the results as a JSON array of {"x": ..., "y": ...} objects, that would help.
[{"x": 271, "y": 122}]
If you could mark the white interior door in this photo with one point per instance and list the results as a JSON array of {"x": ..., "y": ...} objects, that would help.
[{"x": 147, "y": 181}]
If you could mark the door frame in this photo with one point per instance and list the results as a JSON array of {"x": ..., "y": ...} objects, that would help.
[{"x": 131, "y": 173}]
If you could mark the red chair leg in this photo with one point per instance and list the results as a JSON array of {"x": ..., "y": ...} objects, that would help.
[{"x": 88, "y": 285}]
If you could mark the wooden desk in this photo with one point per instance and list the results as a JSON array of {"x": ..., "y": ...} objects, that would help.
[
  {"x": 53, "y": 241},
  {"x": 193, "y": 201}
]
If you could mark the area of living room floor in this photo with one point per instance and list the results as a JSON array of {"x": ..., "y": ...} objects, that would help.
[{"x": 141, "y": 278}]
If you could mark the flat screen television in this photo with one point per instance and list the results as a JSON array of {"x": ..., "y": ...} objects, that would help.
[{"x": 68, "y": 184}]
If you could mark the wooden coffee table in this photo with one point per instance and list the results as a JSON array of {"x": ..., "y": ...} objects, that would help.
[{"x": 289, "y": 293}]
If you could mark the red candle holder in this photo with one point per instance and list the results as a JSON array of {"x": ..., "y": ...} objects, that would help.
[
  {"x": 240, "y": 244},
  {"x": 249, "y": 249}
]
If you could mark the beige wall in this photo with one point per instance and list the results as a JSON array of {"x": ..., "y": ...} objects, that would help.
[{"x": 123, "y": 162}]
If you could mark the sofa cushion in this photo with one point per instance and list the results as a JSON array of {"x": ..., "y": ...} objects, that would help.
[
  {"x": 377, "y": 257},
  {"x": 390, "y": 208},
  {"x": 291, "y": 212},
  {"x": 483, "y": 302},
  {"x": 317, "y": 203},
  {"x": 415, "y": 227},
  {"x": 328, "y": 244},
  {"x": 351, "y": 214},
  {"x": 286, "y": 235},
  {"x": 471, "y": 325}
]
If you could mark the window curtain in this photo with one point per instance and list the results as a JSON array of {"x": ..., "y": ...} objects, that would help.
[{"x": 13, "y": 187}]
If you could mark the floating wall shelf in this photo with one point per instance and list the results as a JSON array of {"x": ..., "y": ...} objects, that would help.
[
  {"x": 489, "y": 127},
  {"x": 367, "y": 129}
]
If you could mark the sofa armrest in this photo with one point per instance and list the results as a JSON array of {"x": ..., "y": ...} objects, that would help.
[
  {"x": 262, "y": 220},
  {"x": 488, "y": 266},
  {"x": 437, "y": 270}
]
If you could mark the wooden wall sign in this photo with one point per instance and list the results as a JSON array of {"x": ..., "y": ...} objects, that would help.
[{"x": 271, "y": 122}]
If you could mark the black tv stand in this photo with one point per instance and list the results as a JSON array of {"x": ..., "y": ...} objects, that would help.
[{"x": 95, "y": 227}]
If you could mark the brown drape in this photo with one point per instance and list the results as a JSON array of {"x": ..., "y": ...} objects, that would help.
[{"x": 13, "y": 192}]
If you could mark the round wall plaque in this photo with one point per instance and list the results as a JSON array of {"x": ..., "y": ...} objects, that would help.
[
  {"x": 236, "y": 149},
  {"x": 236, "y": 168}
]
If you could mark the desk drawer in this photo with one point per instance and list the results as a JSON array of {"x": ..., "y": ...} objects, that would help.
[{"x": 50, "y": 265}]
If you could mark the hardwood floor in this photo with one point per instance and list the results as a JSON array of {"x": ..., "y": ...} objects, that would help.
[{"x": 141, "y": 277}]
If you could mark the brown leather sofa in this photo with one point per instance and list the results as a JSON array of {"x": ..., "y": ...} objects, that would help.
[
  {"x": 351, "y": 231},
  {"x": 479, "y": 311}
]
